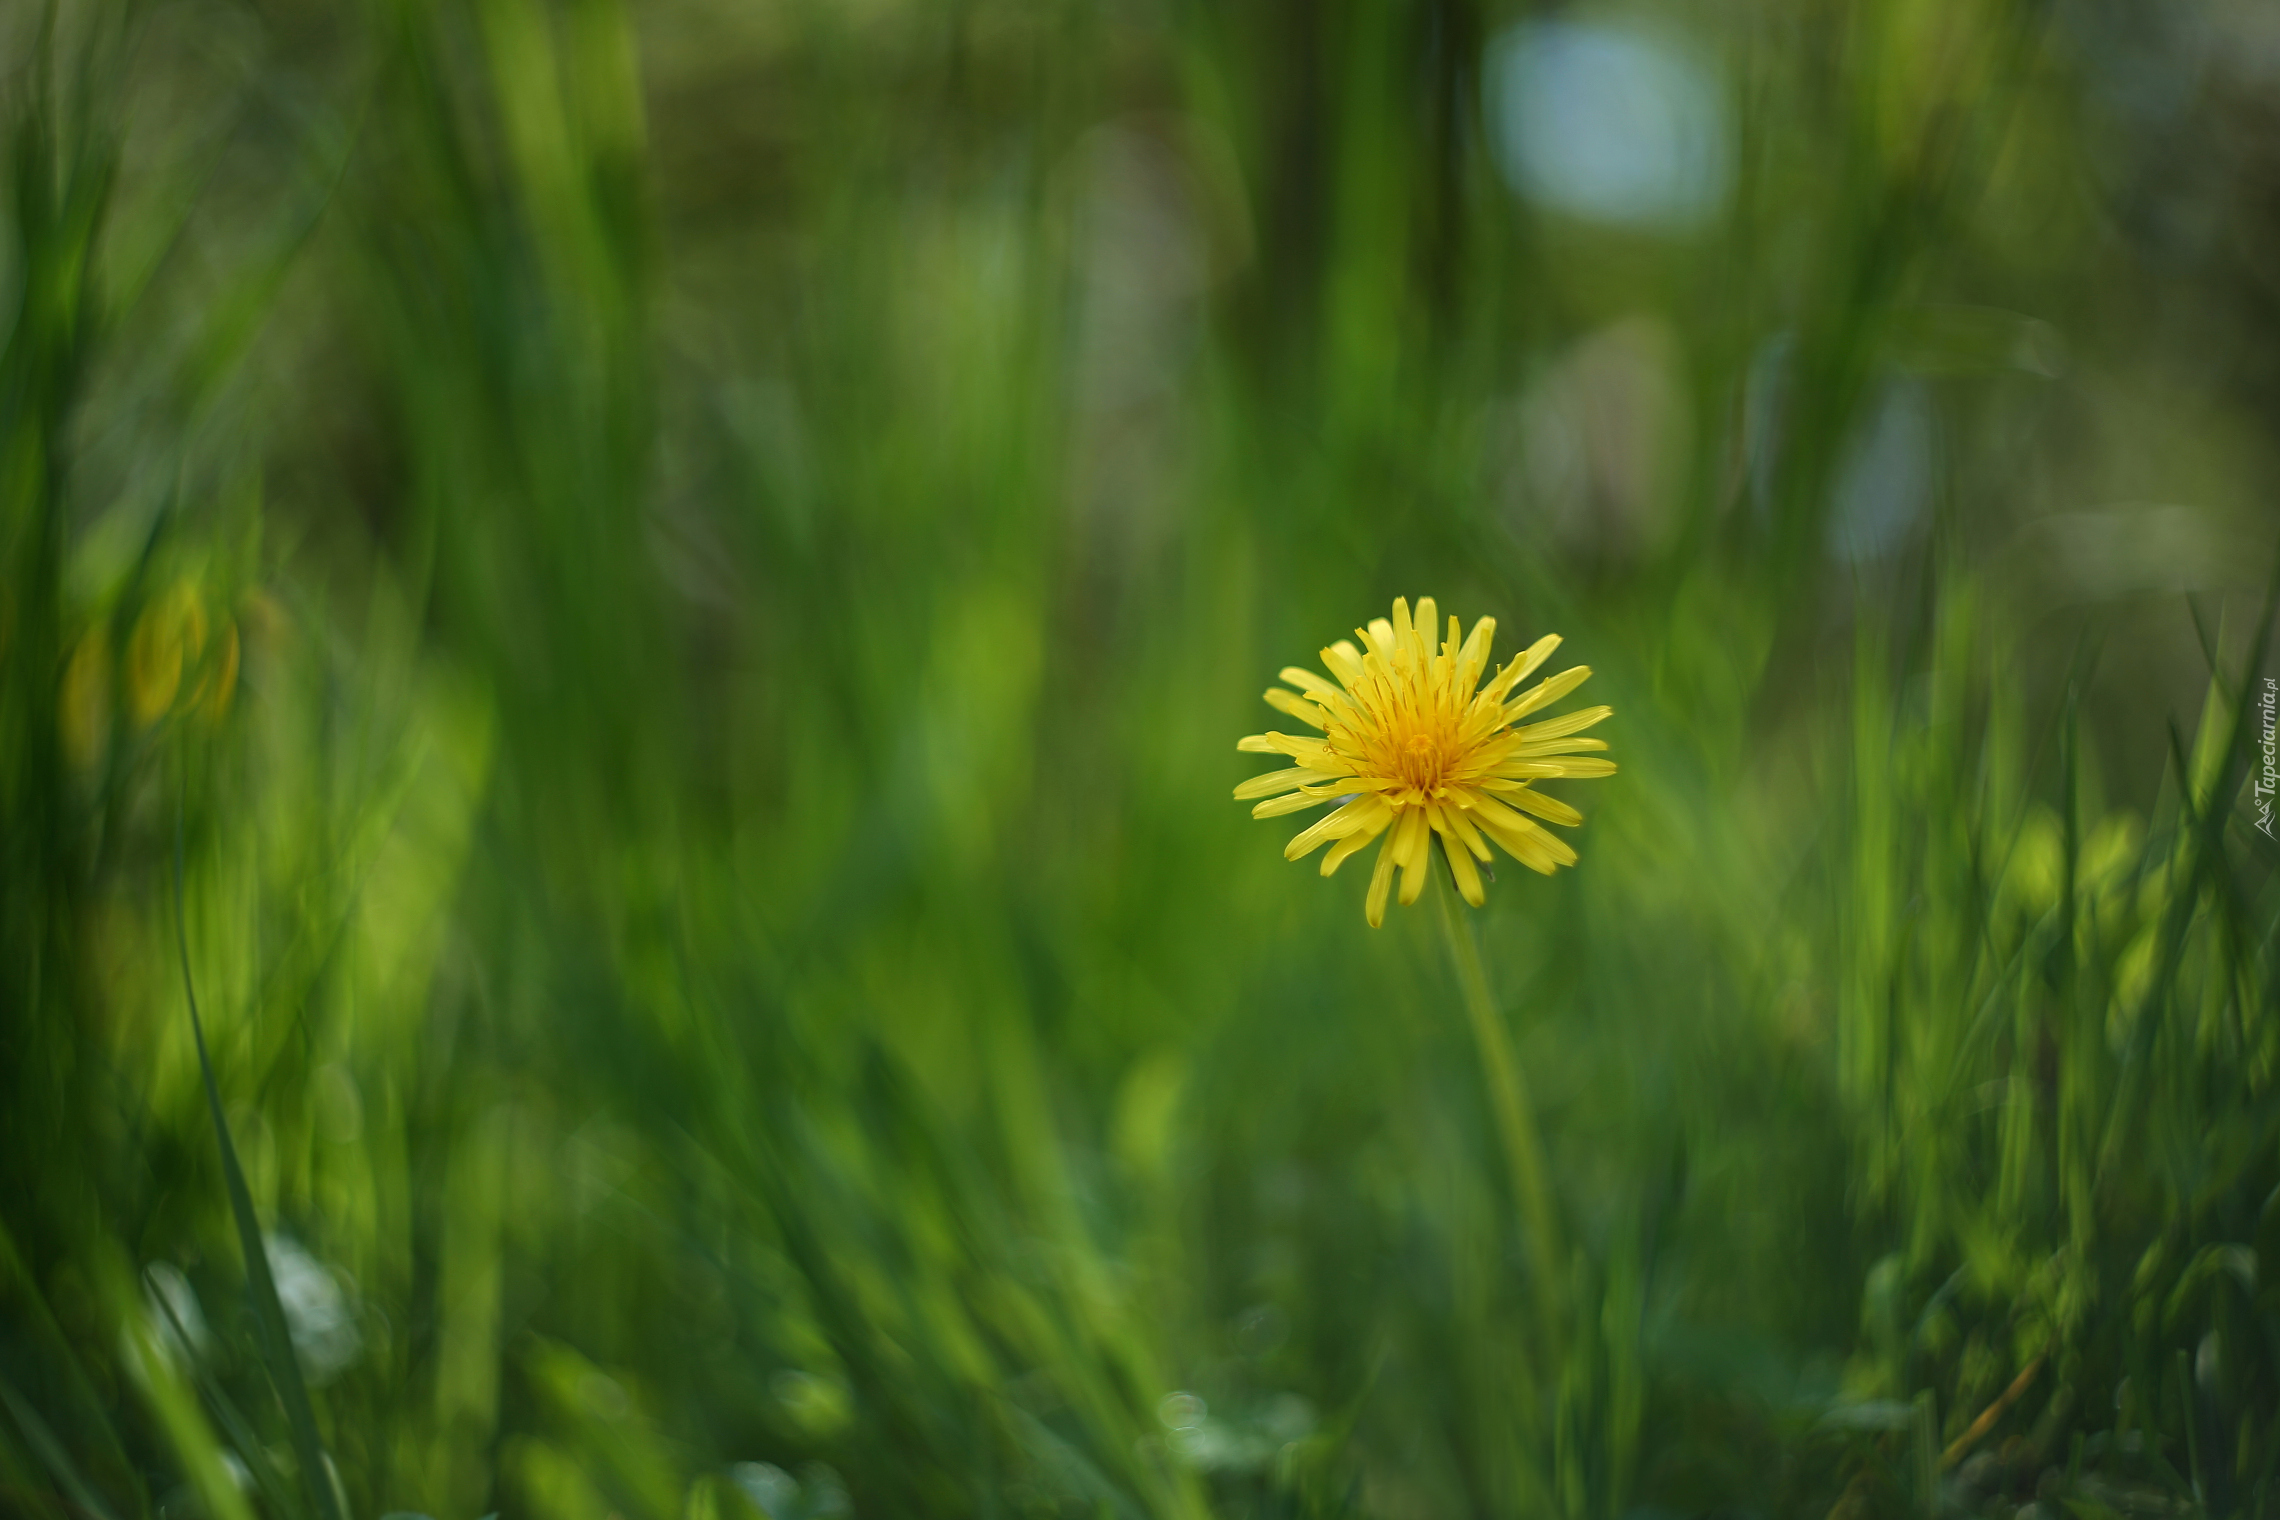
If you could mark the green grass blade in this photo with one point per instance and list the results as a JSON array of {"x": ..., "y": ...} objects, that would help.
[
  {"x": 51, "y": 1453},
  {"x": 269, "y": 1312}
]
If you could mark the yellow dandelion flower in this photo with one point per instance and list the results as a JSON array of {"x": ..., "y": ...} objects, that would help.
[
  {"x": 1409, "y": 748},
  {"x": 219, "y": 682},
  {"x": 170, "y": 643},
  {"x": 171, "y": 630}
]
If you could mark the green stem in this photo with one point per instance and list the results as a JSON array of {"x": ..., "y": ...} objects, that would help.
[{"x": 1515, "y": 1117}]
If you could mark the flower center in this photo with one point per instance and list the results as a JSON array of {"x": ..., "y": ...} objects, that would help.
[{"x": 1425, "y": 757}]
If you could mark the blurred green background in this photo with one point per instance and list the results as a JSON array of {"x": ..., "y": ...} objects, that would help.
[{"x": 651, "y": 603}]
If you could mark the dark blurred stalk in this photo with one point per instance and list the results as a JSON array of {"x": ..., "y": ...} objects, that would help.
[
  {"x": 59, "y": 192},
  {"x": 61, "y": 160}
]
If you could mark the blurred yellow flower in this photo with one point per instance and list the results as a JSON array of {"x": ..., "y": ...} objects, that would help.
[
  {"x": 171, "y": 626},
  {"x": 1411, "y": 749},
  {"x": 170, "y": 642}
]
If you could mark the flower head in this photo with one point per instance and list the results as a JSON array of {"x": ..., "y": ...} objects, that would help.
[
  {"x": 175, "y": 663},
  {"x": 1410, "y": 748},
  {"x": 170, "y": 644}
]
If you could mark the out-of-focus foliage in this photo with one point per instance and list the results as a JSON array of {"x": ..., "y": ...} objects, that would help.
[{"x": 650, "y": 603}]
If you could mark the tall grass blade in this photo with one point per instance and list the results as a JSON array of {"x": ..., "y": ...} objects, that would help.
[
  {"x": 268, "y": 1309},
  {"x": 51, "y": 1453}
]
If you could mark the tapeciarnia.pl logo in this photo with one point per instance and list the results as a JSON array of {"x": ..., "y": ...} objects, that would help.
[{"x": 2269, "y": 780}]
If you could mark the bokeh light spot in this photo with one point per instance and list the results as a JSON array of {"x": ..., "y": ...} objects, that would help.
[{"x": 1608, "y": 124}]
